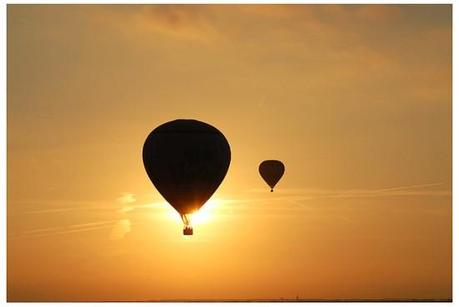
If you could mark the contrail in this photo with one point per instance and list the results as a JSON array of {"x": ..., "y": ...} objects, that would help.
[{"x": 41, "y": 232}]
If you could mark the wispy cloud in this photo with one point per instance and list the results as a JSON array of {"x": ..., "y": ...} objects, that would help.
[
  {"x": 126, "y": 198},
  {"x": 155, "y": 204},
  {"x": 416, "y": 189},
  {"x": 285, "y": 196},
  {"x": 58, "y": 206},
  {"x": 58, "y": 230},
  {"x": 58, "y": 210},
  {"x": 120, "y": 229},
  {"x": 296, "y": 195},
  {"x": 191, "y": 21}
]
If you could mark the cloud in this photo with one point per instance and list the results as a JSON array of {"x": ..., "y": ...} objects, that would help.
[
  {"x": 60, "y": 210},
  {"x": 58, "y": 206},
  {"x": 120, "y": 229},
  {"x": 126, "y": 198},
  {"x": 177, "y": 17},
  {"x": 187, "y": 22},
  {"x": 295, "y": 195},
  {"x": 242, "y": 22},
  {"x": 416, "y": 189},
  {"x": 148, "y": 205},
  {"x": 74, "y": 228},
  {"x": 126, "y": 209},
  {"x": 210, "y": 22},
  {"x": 283, "y": 196}
]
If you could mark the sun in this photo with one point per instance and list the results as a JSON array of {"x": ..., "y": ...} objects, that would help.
[{"x": 205, "y": 213}]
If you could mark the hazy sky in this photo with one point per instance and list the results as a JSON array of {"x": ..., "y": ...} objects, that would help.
[{"x": 355, "y": 99}]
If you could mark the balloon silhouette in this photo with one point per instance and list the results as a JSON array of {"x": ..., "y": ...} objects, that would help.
[
  {"x": 186, "y": 160},
  {"x": 271, "y": 171}
]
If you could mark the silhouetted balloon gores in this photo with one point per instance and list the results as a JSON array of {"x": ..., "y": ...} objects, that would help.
[
  {"x": 271, "y": 171},
  {"x": 186, "y": 160}
]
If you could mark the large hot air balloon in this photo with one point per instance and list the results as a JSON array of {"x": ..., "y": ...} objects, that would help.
[
  {"x": 186, "y": 160},
  {"x": 271, "y": 171}
]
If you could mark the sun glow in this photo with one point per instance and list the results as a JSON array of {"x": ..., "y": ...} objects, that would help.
[{"x": 205, "y": 213}]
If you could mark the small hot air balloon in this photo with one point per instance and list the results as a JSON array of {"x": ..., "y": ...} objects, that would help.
[
  {"x": 271, "y": 171},
  {"x": 186, "y": 160}
]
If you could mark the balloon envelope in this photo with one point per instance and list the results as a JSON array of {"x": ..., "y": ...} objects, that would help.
[
  {"x": 186, "y": 160},
  {"x": 271, "y": 171}
]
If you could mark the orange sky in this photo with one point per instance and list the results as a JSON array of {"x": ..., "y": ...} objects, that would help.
[{"x": 355, "y": 99}]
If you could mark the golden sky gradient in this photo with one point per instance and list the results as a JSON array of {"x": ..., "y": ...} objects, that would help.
[{"x": 355, "y": 99}]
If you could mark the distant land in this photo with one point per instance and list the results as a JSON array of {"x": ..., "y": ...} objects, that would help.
[{"x": 300, "y": 300}]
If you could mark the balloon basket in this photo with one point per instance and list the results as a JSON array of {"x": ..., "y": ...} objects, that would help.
[{"x": 187, "y": 231}]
